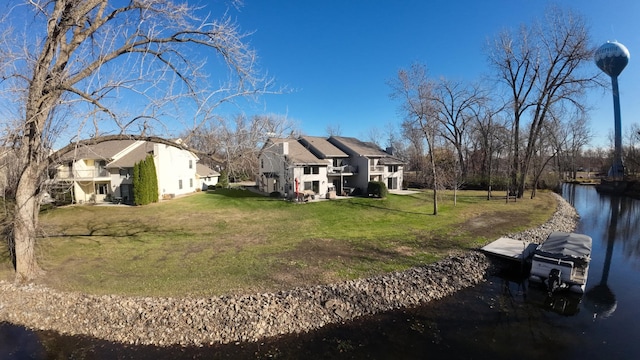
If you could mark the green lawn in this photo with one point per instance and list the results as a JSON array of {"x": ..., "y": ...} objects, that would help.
[{"x": 233, "y": 241}]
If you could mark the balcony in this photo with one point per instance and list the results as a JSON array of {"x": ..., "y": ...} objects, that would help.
[
  {"x": 376, "y": 169},
  {"x": 342, "y": 170},
  {"x": 83, "y": 174}
]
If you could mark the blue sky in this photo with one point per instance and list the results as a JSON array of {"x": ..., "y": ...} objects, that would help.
[{"x": 336, "y": 57}]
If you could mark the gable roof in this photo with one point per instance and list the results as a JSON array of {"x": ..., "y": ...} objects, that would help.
[
  {"x": 117, "y": 153},
  {"x": 357, "y": 146},
  {"x": 367, "y": 149},
  {"x": 203, "y": 170},
  {"x": 298, "y": 154},
  {"x": 102, "y": 151},
  {"x": 321, "y": 147},
  {"x": 129, "y": 159}
]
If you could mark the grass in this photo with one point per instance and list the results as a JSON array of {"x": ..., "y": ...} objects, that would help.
[{"x": 233, "y": 241}]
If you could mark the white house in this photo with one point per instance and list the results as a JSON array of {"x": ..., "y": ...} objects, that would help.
[
  {"x": 206, "y": 176},
  {"x": 373, "y": 163},
  {"x": 316, "y": 165},
  {"x": 289, "y": 168},
  {"x": 96, "y": 173}
]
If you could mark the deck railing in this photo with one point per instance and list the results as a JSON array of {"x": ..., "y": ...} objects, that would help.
[
  {"x": 342, "y": 169},
  {"x": 82, "y": 174}
]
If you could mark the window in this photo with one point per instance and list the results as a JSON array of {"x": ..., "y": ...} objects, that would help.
[
  {"x": 308, "y": 185},
  {"x": 393, "y": 168},
  {"x": 125, "y": 173},
  {"x": 101, "y": 189},
  {"x": 180, "y": 184},
  {"x": 190, "y": 183},
  {"x": 190, "y": 164},
  {"x": 311, "y": 170}
]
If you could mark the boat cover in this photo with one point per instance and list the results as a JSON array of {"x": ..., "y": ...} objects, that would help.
[{"x": 566, "y": 246}]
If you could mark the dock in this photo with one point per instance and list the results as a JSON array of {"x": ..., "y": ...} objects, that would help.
[{"x": 510, "y": 249}]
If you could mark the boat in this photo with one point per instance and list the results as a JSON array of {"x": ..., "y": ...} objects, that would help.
[{"x": 562, "y": 262}]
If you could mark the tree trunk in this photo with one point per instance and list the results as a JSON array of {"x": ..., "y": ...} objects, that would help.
[
  {"x": 435, "y": 183},
  {"x": 515, "y": 169},
  {"x": 25, "y": 224}
]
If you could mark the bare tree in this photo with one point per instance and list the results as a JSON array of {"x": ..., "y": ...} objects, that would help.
[
  {"x": 415, "y": 92},
  {"x": 632, "y": 149},
  {"x": 568, "y": 137},
  {"x": 243, "y": 141},
  {"x": 541, "y": 66},
  {"x": 457, "y": 106},
  {"x": 490, "y": 138},
  {"x": 130, "y": 63},
  {"x": 333, "y": 130},
  {"x": 416, "y": 157},
  {"x": 388, "y": 138}
]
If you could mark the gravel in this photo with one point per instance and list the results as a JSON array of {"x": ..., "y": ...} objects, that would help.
[{"x": 225, "y": 319}]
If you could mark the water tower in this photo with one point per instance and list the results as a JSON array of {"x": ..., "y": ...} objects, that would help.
[{"x": 611, "y": 58}]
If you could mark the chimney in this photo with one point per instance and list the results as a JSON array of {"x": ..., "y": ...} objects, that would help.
[
  {"x": 390, "y": 150},
  {"x": 285, "y": 147}
]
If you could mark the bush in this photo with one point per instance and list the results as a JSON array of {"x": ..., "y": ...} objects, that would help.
[
  {"x": 377, "y": 189},
  {"x": 275, "y": 194},
  {"x": 145, "y": 182}
]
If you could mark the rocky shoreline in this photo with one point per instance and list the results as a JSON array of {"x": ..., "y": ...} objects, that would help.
[{"x": 226, "y": 319}]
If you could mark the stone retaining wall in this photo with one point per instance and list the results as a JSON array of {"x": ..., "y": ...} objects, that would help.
[{"x": 224, "y": 319}]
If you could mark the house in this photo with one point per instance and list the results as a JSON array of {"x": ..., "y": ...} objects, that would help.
[
  {"x": 373, "y": 163},
  {"x": 339, "y": 170},
  {"x": 287, "y": 167},
  {"x": 103, "y": 171},
  {"x": 205, "y": 176},
  {"x": 317, "y": 166}
]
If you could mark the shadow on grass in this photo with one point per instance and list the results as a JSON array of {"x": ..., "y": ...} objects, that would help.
[
  {"x": 235, "y": 193},
  {"x": 380, "y": 207},
  {"x": 130, "y": 229}
]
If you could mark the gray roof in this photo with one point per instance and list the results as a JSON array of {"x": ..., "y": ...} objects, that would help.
[
  {"x": 322, "y": 147},
  {"x": 298, "y": 154},
  {"x": 357, "y": 146},
  {"x": 390, "y": 160},
  {"x": 103, "y": 151},
  {"x": 204, "y": 171},
  {"x": 368, "y": 149},
  {"x": 136, "y": 155}
]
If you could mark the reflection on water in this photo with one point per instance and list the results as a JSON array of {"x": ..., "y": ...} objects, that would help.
[
  {"x": 501, "y": 318},
  {"x": 600, "y": 299},
  {"x": 18, "y": 343}
]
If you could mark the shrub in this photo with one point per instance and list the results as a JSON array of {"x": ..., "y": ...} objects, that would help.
[
  {"x": 377, "y": 189},
  {"x": 145, "y": 182},
  {"x": 275, "y": 194}
]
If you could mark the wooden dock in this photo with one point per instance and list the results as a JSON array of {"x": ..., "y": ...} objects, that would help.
[{"x": 509, "y": 248}]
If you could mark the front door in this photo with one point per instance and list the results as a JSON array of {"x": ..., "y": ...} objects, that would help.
[{"x": 392, "y": 183}]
